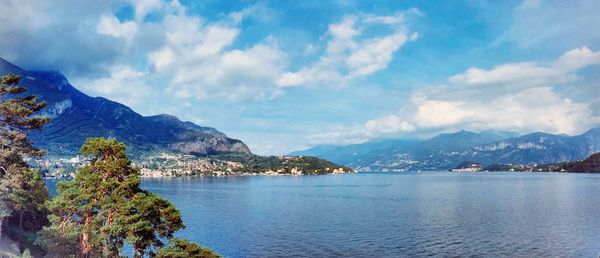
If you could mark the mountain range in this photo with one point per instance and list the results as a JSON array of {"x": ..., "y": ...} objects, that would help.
[
  {"x": 77, "y": 116},
  {"x": 446, "y": 151}
]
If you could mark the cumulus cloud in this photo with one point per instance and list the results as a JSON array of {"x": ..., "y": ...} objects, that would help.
[
  {"x": 124, "y": 84},
  {"x": 528, "y": 100},
  {"x": 197, "y": 59},
  {"x": 387, "y": 124},
  {"x": 349, "y": 56},
  {"x": 110, "y": 25},
  {"x": 188, "y": 55},
  {"x": 42, "y": 34},
  {"x": 245, "y": 74},
  {"x": 525, "y": 98},
  {"x": 529, "y": 73},
  {"x": 535, "y": 109},
  {"x": 144, "y": 7}
]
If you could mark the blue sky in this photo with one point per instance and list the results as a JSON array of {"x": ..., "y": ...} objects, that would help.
[{"x": 288, "y": 75}]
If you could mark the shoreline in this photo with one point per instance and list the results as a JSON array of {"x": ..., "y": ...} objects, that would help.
[{"x": 360, "y": 172}]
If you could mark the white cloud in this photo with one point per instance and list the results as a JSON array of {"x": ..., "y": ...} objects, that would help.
[
  {"x": 144, "y": 7},
  {"x": 386, "y": 125},
  {"x": 577, "y": 58},
  {"x": 232, "y": 75},
  {"x": 124, "y": 84},
  {"x": 199, "y": 62},
  {"x": 195, "y": 58},
  {"x": 290, "y": 79},
  {"x": 343, "y": 30},
  {"x": 536, "y": 109},
  {"x": 435, "y": 113},
  {"x": 257, "y": 11},
  {"x": 42, "y": 35},
  {"x": 529, "y": 73},
  {"x": 387, "y": 20},
  {"x": 374, "y": 55},
  {"x": 110, "y": 25},
  {"x": 348, "y": 55},
  {"x": 215, "y": 39},
  {"x": 162, "y": 59},
  {"x": 191, "y": 56},
  {"x": 524, "y": 99}
]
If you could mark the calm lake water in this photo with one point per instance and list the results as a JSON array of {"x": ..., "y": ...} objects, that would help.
[{"x": 390, "y": 214}]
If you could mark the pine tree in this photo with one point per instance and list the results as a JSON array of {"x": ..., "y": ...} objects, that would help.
[
  {"x": 5, "y": 207},
  {"x": 22, "y": 191},
  {"x": 180, "y": 248},
  {"x": 17, "y": 116},
  {"x": 104, "y": 207}
]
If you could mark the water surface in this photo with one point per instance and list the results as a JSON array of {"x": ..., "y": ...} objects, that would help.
[{"x": 390, "y": 214}]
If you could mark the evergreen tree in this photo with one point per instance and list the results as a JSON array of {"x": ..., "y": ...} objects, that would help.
[
  {"x": 104, "y": 207},
  {"x": 26, "y": 193},
  {"x": 180, "y": 248},
  {"x": 17, "y": 116},
  {"x": 5, "y": 207},
  {"x": 22, "y": 191}
]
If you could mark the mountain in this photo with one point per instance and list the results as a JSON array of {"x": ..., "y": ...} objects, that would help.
[
  {"x": 405, "y": 154},
  {"x": 354, "y": 154},
  {"x": 446, "y": 151},
  {"x": 591, "y": 164},
  {"x": 76, "y": 116},
  {"x": 538, "y": 148}
]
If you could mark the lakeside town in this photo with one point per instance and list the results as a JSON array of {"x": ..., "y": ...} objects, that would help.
[{"x": 174, "y": 165}]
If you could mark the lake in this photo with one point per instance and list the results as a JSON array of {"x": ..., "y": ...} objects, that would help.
[{"x": 390, "y": 214}]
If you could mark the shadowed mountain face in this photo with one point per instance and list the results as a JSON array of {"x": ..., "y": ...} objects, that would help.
[
  {"x": 76, "y": 116},
  {"x": 591, "y": 164},
  {"x": 448, "y": 150}
]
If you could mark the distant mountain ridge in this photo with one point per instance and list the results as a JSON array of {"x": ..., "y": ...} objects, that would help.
[
  {"x": 77, "y": 116},
  {"x": 446, "y": 151}
]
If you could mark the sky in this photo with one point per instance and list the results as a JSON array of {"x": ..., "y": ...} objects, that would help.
[{"x": 289, "y": 75}]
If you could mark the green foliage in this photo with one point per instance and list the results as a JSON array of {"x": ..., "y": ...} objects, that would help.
[
  {"x": 180, "y": 248},
  {"x": 258, "y": 164},
  {"x": 17, "y": 116},
  {"x": 588, "y": 165},
  {"x": 93, "y": 215},
  {"x": 26, "y": 194},
  {"x": 104, "y": 207},
  {"x": 22, "y": 190},
  {"x": 27, "y": 254}
]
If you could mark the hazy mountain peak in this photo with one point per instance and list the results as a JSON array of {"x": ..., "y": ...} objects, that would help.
[{"x": 446, "y": 150}]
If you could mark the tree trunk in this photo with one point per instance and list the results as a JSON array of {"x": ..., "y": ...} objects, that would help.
[
  {"x": 1, "y": 220},
  {"x": 86, "y": 247}
]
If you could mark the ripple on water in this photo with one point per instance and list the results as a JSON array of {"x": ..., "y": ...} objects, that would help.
[{"x": 391, "y": 215}]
